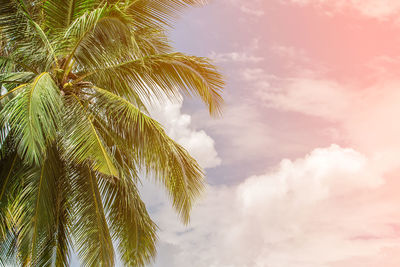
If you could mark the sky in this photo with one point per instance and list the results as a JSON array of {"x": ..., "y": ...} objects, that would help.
[{"x": 303, "y": 166}]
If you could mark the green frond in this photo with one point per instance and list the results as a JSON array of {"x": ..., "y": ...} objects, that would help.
[
  {"x": 150, "y": 41},
  {"x": 8, "y": 254},
  {"x": 10, "y": 93},
  {"x": 168, "y": 74},
  {"x": 27, "y": 41},
  {"x": 8, "y": 168},
  {"x": 130, "y": 224},
  {"x": 16, "y": 77},
  {"x": 82, "y": 141},
  {"x": 10, "y": 64},
  {"x": 62, "y": 242},
  {"x": 90, "y": 229},
  {"x": 59, "y": 15},
  {"x": 101, "y": 30},
  {"x": 11, "y": 80},
  {"x": 157, "y": 14},
  {"x": 153, "y": 149},
  {"x": 35, "y": 211},
  {"x": 33, "y": 115}
]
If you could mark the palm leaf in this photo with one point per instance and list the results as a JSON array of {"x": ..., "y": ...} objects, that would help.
[
  {"x": 8, "y": 167},
  {"x": 60, "y": 14},
  {"x": 83, "y": 143},
  {"x": 153, "y": 149},
  {"x": 25, "y": 34},
  {"x": 92, "y": 237},
  {"x": 93, "y": 33},
  {"x": 169, "y": 74},
  {"x": 33, "y": 115},
  {"x": 37, "y": 205},
  {"x": 130, "y": 224},
  {"x": 151, "y": 13}
]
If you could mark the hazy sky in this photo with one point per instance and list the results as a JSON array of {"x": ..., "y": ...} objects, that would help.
[{"x": 303, "y": 165}]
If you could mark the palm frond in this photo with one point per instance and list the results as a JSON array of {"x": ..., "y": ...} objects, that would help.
[
  {"x": 95, "y": 33},
  {"x": 153, "y": 149},
  {"x": 91, "y": 234},
  {"x": 25, "y": 34},
  {"x": 60, "y": 14},
  {"x": 10, "y": 64},
  {"x": 157, "y": 14},
  {"x": 8, "y": 168},
  {"x": 82, "y": 141},
  {"x": 9, "y": 80},
  {"x": 33, "y": 115},
  {"x": 169, "y": 74},
  {"x": 37, "y": 205},
  {"x": 131, "y": 226}
]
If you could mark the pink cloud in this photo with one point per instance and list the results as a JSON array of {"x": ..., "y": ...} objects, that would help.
[
  {"x": 307, "y": 212},
  {"x": 365, "y": 114},
  {"x": 238, "y": 57},
  {"x": 380, "y": 9},
  {"x": 315, "y": 97},
  {"x": 250, "y": 7}
]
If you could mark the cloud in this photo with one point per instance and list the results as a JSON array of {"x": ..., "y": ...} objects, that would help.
[
  {"x": 320, "y": 210},
  {"x": 305, "y": 93},
  {"x": 362, "y": 112},
  {"x": 247, "y": 55},
  {"x": 290, "y": 52},
  {"x": 316, "y": 97},
  {"x": 250, "y": 7},
  {"x": 379, "y": 9},
  {"x": 334, "y": 207},
  {"x": 251, "y": 11},
  {"x": 240, "y": 132},
  {"x": 178, "y": 126},
  {"x": 238, "y": 57},
  {"x": 370, "y": 123}
]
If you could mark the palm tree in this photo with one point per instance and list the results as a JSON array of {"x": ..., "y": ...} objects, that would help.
[{"x": 75, "y": 134}]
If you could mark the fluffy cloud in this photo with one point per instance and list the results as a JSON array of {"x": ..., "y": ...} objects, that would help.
[
  {"x": 380, "y": 9},
  {"x": 362, "y": 113},
  {"x": 305, "y": 93},
  {"x": 320, "y": 210},
  {"x": 334, "y": 207},
  {"x": 178, "y": 126}
]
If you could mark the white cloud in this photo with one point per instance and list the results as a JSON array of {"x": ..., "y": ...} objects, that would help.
[
  {"x": 317, "y": 211},
  {"x": 248, "y": 54},
  {"x": 249, "y": 7},
  {"x": 304, "y": 93},
  {"x": 291, "y": 53},
  {"x": 178, "y": 126},
  {"x": 380, "y": 9},
  {"x": 316, "y": 97},
  {"x": 238, "y": 57},
  {"x": 252, "y": 11},
  {"x": 371, "y": 123},
  {"x": 364, "y": 114}
]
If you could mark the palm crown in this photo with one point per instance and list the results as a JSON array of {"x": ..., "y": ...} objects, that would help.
[{"x": 75, "y": 134}]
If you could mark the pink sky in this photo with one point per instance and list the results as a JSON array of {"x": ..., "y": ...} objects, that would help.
[{"x": 303, "y": 167}]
